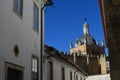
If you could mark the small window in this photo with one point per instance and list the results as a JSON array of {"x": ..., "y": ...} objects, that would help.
[
  {"x": 18, "y": 7},
  {"x": 80, "y": 78},
  {"x": 62, "y": 73},
  {"x": 70, "y": 75},
  {"x": 50, "y": 70},
  {"x": 34, "y": 68},
  {"x": 36, "y": 18},
  {"x": 13, "y": 71},
  {"x": 76, "y": 77}
]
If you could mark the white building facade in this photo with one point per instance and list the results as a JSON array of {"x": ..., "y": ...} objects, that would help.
[
  {"x": 20, "y": 39},
  {"x": 57, "y": 67},
  {"x": 99, "y": 77}
]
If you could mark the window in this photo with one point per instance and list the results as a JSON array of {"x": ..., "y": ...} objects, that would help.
[
  {"x": 62, "y": 73},
  {"x": 80, "y": 77},
  {"x": 36, "y": 18},
  {"x": 76, "y": 77},
  {"x": 70, "y": 75},
  {"x": 34, "y": 68},
  {"x": 13, "y": 71},
  {"x": 18, "y": 7},
  {"x": 13, "y": 74},
  {"x": 50, "y": 70}
]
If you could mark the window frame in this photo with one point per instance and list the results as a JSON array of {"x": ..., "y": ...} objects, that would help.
[
  {"x": 37, "y": 58},
  {"x": 20, "y": 14},
  {"x": 51, "y": 78},
  {"x": 80, "y": 77},
  {"x": 76, "y": 77},
  {"x": 71, "y": 75},
  {"x": 62, "y": 73},
  {"x": 38, "y": 19},
  {"x": 13, "y": 66}
]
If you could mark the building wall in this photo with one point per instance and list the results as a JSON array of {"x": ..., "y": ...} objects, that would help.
[
  {"x": 93, "y": 68},
  {"x": 58, "y": 63},
  {"x": 103, "y": 64},
  {"x": 99, "y": 77},
  {"x": 108, "y": 66},
  {"x": 95, "y": 49},
  {"x": 15, "y": 30},
  {"x": 82, "y": 49},
  {"x": 82, "y": 62},
  {"x": 110, "y": 12},
  {"x": 92, "y": 60}
]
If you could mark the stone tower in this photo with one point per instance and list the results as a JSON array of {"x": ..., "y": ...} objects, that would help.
[{"x": 88, "y": 54}]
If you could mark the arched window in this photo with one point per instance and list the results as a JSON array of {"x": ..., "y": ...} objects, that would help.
[
  {"x": 76, "y": 77},
  {"x": 70, "y": 75}
]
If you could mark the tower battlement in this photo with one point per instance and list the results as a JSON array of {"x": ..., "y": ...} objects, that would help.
[{"x": 88, "y": 54}]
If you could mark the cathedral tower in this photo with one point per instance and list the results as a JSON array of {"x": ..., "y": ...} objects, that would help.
[{"x": 88, "y": 53}]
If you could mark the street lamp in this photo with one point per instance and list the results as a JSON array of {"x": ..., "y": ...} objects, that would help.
[{"x": 47, "y": 3}]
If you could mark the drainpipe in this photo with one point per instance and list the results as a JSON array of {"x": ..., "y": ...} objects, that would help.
[{"x": 48, "y": 2}]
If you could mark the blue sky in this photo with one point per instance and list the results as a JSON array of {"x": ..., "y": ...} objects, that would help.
[{"x": 64, "y": 22}]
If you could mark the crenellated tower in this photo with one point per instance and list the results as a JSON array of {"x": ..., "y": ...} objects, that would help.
[{"x": 88, "y": 53}]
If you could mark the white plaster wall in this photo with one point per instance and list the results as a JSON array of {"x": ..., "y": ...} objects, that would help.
[
  {"x": 108, "y": 65},
  {"x": 1, "y": 69},
  {"x": 99, "y": 77},
  {"x": 58, "y": 63},
  {"x": 16, "y": 30}
]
